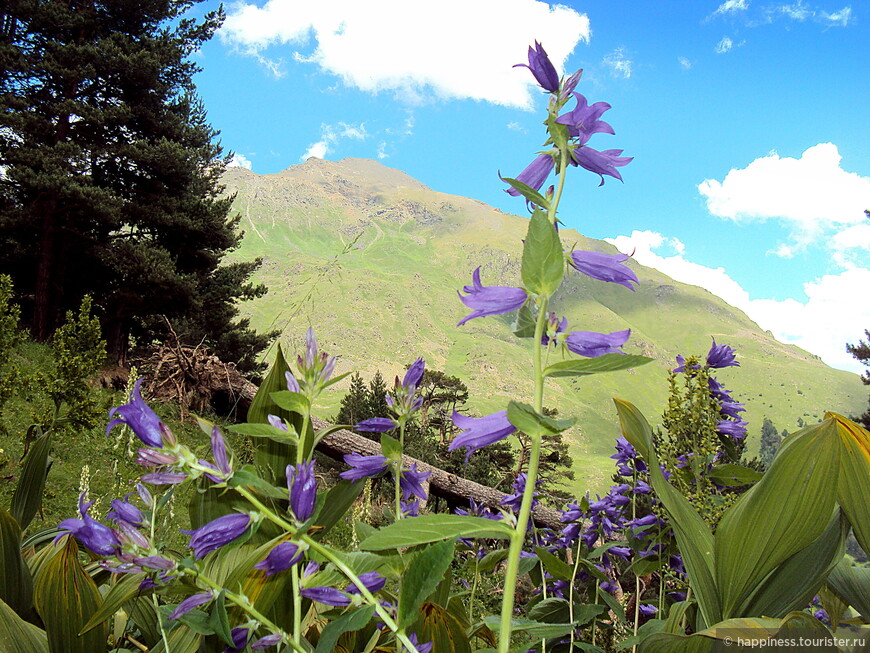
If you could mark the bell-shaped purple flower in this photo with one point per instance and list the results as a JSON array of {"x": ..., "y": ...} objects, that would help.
[
  {"x": 490, "y": 300},
  {"x": 240, "y": 638},
  {"x": 372, "y": 581},
  {"x": 411, "y": 483},
  {"x": 164, "y": 478},
  {"x": 721, "y": 356},
  {"x": 731, "y": 409},
  {"x": 414, "y": 374},
  {"x": 376, "y": 425},
  {"x": 218, "y": 533},
  {"x": 139, "y": 417},
  {"x": 542, "y": 68},
  {"x": 601, "y": 163},
  {"x": 292, "y": 383},
  {"x": 480, "y": 432},
  {"x": 122, "y": 510},
  {"x": 735, "y": 428},
  {"x": 96, "y": 537},
  {"x": 266, "y": 642},
  {"x": 410, "y": 508},
  {"x": 604, "y": 267},
  {"x": 421, "y": 648},
  {"x": 219, "y": 451},
  {"x": 281, "y": 558},
  {"x": 363, "y": 466},
  {"x": 583, "y": 120},
  {"x": 534, "y": 174},
  {"x": 591, "y": 344},
  {"x": 190, "y": 603},
  {"x": 303, "y": 489}
]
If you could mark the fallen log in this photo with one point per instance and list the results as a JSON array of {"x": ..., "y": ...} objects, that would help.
[{"x": 454, "y": 489}]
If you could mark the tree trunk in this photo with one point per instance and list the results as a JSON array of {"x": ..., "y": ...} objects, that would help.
[{"x": 45, "y": 299}]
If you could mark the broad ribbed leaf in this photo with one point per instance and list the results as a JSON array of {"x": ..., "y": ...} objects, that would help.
[
  {"x": 16, "y": 586},
  {"x": 787, "y": 510},
  {"x": 345, "y": 623},
  {"x": 731, "y": 475},
  {"x": 433, "y": 528},
  {"x": 794, "y": 583},
  {"x": 28, "y": 494},
  {"x": 597, "y": 365},
  {"x": 424, "y": 574},
  {"x": 669, "y": 643},
  {"x": 66, "y": 598},
  {"x": 543, "y": 263},
  {"x": 442, "y": 628},
  {"x": 852, "y": 585},
  {"x": 124, "y": 590},
  {"x": 181, "y": 640},
  {"x": 694, "y": 538},
  {"x": 19, "y": 636},
  {"x": 853, "y": 490}
]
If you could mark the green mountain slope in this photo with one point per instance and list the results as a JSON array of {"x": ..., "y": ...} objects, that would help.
[{"x": 373, "y": 258}]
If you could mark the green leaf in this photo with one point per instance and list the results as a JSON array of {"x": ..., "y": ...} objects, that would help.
[
  {"x": 181, "y": 640},
  {"x": 19, "y": 636},
  {"x": 337, "y": 502},
  {"x": 219, "y": 620},
  {"x": 852, "y": 585},
  {"x": 536, "y": 629},
  {"x": 491, "y": 560},
  {"x": 441, "y": 627},
  {"x": 853, "y": 490},
  {"x": 528, "y": 192},
  {"x": 530, "y": 422},
  {"x": 524, "y": 323},
  {"x": 424, "y": 574},
  {"x": 552, "y": 610},
  {"x": 433, "y": 528},
  {"x": 270, "y": 455},
  {"x": 693, "y": 535},
  {"x": 343, "y": 624},
  {"x": 28, "y": 493},
  {"x": 125, "y": 589},
  {"x": 248, "y": 477},
  {"x": 526, "y": 565},
  {"x": 651, "y": 627},
  {"x": 16, "y": 584},
  {"x": 777, "y": 517},
  {"x": 66, "y": 598},
  {"x": 559, "y": 569},
  {"x": 731, "y": 475},
  {"x": 266, "y": 431},
  {"x": 391, "y": 448},
  {"x": 603, "y": 363},
  {"x": 295, "y": 402},
  {"x": 543, "y": 263}
]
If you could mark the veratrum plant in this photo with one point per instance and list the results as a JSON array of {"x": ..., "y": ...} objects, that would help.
[{"x": 777, "y": 545}]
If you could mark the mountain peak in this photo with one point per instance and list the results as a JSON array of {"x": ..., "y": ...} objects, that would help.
[{"x": 361, "y": 172}]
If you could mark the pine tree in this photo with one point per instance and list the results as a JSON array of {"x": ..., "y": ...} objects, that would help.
[
  {"x": 354, "y": 404},
  {"x": 110, "y": 180},
  {"x": 376, "y": 400},
  {"x": 770, "y": 439},
  {"x": 861, "y": 352}
]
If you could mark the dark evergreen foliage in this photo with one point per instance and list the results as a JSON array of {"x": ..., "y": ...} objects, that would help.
[
  {"x": 110, "y": 181},
  {"x": 770, "y": 440},
  {"x": 861, "y": 352}
]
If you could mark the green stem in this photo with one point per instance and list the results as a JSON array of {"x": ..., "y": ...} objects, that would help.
[
  {"x": 563, "y": 169},
  {"x": 519, "y": 535},
  {"x": 397, "y": 471},
  {"x": 571, "y": 590},
  {"x": 300, "y": 447},
  {"x": 160, "y": 623},
  {"x": 297, "y": 606}
]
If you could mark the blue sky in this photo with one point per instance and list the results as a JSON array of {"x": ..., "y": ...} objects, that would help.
[{"x": 748, "y": 122}]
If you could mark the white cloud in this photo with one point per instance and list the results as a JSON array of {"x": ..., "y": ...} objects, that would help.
[
  {"x": 685, "y": 64},
  {"x": 842, "y": 17},
  {"x": 732, "y": 7},
  {"x": 807, "y": 324},
  {"x": 239, "y": 161},
  {"x": 414, "y": 48},
  {"x": 331, "y": 135},
  {"x": 514, "y": 126},
  {"x": 797, "y": 11},
  {"x": 620, "y": 65},
  {"x": 724, "y": 45},
  {"x": 812, "y": 195},
  {"x": 382, "y": 150}
]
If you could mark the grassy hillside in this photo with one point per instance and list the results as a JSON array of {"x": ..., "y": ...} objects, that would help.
[{"x": 372, "y": 259}]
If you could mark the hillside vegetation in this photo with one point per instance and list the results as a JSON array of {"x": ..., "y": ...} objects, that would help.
[{"x": 372, "y": 259}]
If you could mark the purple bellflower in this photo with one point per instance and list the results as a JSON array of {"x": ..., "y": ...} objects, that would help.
[
  {"x": 96, "y": 537},
  {"x": 736, "y": 429},
  {"x": 534, "y": 174},
  {"x": 414, "y": 375},
  {"x": 542, "y": 68},
  {"x": 266, "y": 642},
  {"x": 604, "y": 267},
  {"x": 218, "y": 533},
  {"x": 219, "y": 451},
  {"x": 303, "y": 489},
  {"x": 316, "y": 370},
  {"x": 372, "y": 581},
  {"x": 583, "y": 121},
  {"x": 139, "y": 417},
  {"x": 592, "y": 345},
  {"x": 421, "y": 648},
  {"x": 376, "y": 425},
  {"x": 490, "y": 300},
  {"x": 721, "y": 356},
  {"x": 122, "y": 510},
  {"x": 240, "y": 638},
  {"x": 190, "y": 603},
  {"x": 601, "y": 163},
  {"x": 281, "y": 558},
  {"x": 480, "y": 432},
  {"x": 363, "y": 466},
  {"x": 411, "y": 483}
]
